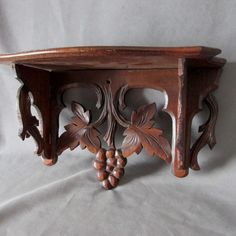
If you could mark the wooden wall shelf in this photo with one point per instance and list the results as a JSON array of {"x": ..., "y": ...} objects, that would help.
[{"x": 186, "y": 75}]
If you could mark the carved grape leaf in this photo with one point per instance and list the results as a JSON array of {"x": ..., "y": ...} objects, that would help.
[
  {"x": 141, "y": 134},
  {"x": 80, "y": 112},
  {"x": 79, "y": 132},
  {"x": 143, "y": 116},
  {"x": 131, "y": 142}
]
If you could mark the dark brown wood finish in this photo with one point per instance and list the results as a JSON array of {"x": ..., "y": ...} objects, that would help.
[{"x": 187, "y": 76}]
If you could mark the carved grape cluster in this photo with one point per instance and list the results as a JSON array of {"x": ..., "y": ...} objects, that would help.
[{"x": 110, "y": 166}]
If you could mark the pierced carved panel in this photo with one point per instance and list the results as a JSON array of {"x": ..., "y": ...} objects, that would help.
[
  {"x": 184, "y": 88},
  {"x": 139, "y": 134}
]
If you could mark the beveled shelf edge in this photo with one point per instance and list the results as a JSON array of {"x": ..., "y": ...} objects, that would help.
[{"x": 54, "y": 53}]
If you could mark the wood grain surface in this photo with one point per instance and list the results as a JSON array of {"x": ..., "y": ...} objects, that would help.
[{"x": 111, "y": 57}]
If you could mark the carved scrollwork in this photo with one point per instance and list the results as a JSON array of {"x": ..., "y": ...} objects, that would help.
[
  {"x": 139, "y": 134},
  {"x": 29, "y": 122},
  {"x": 208, "y": 131}
]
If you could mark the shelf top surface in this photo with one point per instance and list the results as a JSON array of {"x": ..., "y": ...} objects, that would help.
[{"x": 109, "y": 57}]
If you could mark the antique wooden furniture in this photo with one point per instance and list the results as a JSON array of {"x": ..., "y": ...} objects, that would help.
[{"x": 187, "y": 76}]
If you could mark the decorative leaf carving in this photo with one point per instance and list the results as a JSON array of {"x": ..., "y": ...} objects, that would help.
[
  {"x": 89, "y": 138},
  {"x": 141, "y": 134},
  {"x": 142, "y": 118},
  {"x": 131, "y": 142},
  {"x": 208, "y": 132},
  {"x": 80, "y": 112},
  {"x": 79, "y": 132}
]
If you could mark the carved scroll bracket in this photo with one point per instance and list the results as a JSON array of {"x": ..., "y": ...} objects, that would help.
[
  {"x": 29, "y": 122},
  {"x": 207, "y": 130}
]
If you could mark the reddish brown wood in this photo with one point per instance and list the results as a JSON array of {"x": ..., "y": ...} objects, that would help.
[
  {"x": 187, "y": 76},
  {"x": 110, "y": 165}
]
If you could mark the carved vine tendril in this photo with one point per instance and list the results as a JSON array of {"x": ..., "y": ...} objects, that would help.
[
  {"x": 139, "y": 134},
  {"x": 208, "y": 132}
]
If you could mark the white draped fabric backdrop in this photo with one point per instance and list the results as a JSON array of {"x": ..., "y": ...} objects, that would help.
[{"x": 66, "y": 199}]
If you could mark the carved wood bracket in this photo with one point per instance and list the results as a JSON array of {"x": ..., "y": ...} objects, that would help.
[
  {"x": 29, "y": 122},
  {"x": 208, "y": 131}
]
